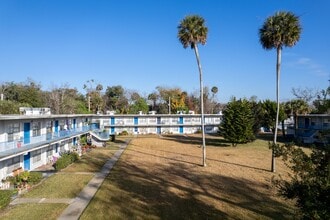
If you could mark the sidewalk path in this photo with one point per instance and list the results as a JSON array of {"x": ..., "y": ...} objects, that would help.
[
  {"x": 76, "y": 208},
  {"x": 40, "y": 200},
  {"x": 77, "y": 205}
]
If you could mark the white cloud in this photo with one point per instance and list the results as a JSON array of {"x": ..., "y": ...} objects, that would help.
[{"x": 309, "y": 65}]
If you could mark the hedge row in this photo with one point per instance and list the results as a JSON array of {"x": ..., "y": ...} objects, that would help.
[{"x": 65, "y": 160}]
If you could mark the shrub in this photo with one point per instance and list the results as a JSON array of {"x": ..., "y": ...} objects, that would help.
[
  {"x": 12, "y": 179},
  {"x": 83, "y": 140},
  {"x": 62, "y": 162},
  {"x": 309, "y": 185},
  {"x": 23, "y": 177},
  {"x": 65, "y": 160},
  {"x": 74, "y": 157},
  {"x": 123, "y": 133},
  {"x": 34, "y": 177}
]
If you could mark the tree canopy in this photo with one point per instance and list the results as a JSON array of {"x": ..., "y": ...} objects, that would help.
[
  {"x": 237, "y": 124},
  {"x": 309, "y": 186}
]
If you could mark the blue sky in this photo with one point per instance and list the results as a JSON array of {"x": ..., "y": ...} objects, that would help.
[{"x": 134, "y": 43}]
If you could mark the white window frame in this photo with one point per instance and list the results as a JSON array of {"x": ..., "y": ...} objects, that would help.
[
  {"x": 13, "y": 164},
  {"x": 36, "y": 156}
]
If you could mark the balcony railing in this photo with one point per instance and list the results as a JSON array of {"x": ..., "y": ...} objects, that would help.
[{"x": 18, "y": 146}]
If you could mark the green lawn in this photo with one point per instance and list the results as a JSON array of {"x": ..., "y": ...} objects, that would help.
[
  {"x": 61, "y": 185},
  {"x": 33, "y": 211},
  {"x": 94, "y": 160},
  {"x": 64, "y": 184}
]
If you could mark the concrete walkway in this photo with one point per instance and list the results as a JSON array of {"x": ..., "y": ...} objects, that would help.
[{"x": 78, "y": 204}]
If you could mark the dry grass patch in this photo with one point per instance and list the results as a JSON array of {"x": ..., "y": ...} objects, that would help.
[
  {"x": 40, "y": 211},
  {"x": 162, "y": 178}
]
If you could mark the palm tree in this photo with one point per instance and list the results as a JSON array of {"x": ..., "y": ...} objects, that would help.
[
  {"x": 191, "y": 32},
  {"x": 280, "y": 30}
]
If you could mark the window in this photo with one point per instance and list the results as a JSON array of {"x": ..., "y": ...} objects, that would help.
[
  {"x": 152, "y": 120},
  {"x": 13, "y": 164},
  {"x": 62, "y": 124},
  {"x": 165, "y": 121},
  {"x": 49, "y": 127},
  {"x": 142, "y": 120},
  {"x": 13, "y": 129},
  {"x": 187, "y": 120},
  {"x": 129, "y": 120},
  {"x": 49, "y": 151},
  {"x": 36, "y": 156},
  {"x": 36, "y": 129}
]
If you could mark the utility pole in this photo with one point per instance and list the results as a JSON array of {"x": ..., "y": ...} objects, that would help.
[
  {"x": 89, "y": 103},
  {"x": 169, "y": 105}
]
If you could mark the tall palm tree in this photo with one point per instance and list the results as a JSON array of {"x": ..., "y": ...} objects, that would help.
[
  {"x": 280, "y": 30},
  {"x": 191, "y": 32}
]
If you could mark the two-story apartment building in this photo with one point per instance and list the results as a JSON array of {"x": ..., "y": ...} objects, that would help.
[
  {"x": 31, "y": 140},
  {"x": 308, "y": 128}
]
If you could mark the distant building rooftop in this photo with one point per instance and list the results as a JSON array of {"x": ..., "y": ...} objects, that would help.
[{"x": 34, "y": 111}]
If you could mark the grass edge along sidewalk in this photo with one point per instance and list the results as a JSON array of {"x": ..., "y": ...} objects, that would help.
[{"x": 76, "y": 208}]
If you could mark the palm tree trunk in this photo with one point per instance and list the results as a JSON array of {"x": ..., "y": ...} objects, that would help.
[
  {"x": 278, "y": 68},
  {"x": 202, "y": 101}
]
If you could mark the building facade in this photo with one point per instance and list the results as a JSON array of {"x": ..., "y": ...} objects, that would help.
[
  {"x": 31, "y": 140},
  {"x": 309, "y": 128}
]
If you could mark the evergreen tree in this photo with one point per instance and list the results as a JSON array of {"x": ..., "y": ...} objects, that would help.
[{"x": 238, "y": 121}]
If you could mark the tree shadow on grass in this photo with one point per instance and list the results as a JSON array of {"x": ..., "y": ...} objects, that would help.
[
  {"x": 176, "y": 191},
  {"x": 270, "y": 137},
  {"x": 240, "y": 165},
  {"x": 215, "y": 141},
  {"x": 163, "y": 157}
]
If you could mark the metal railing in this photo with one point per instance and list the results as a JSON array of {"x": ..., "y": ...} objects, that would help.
[{"x": 19, "y": 144}]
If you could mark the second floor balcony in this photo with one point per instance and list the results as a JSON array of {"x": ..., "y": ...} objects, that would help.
[{"x": 17, "y": 146}]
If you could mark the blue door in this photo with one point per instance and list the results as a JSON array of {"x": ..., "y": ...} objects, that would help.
[
  {"x": 56, "y": 126},
  {"x": 136, "y": 122},
  {"x": 181, "y": 129},
  {"x": 112, "y": 120},
  {"x": 181, "y": 120},
  {"x": 159, "y": 130},
  {"x": 27, "y": 161},
  {"x": 26, "y": 133},
  {"x": 74, "y": 124},
  {"x": 112, "y": 130}
]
